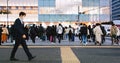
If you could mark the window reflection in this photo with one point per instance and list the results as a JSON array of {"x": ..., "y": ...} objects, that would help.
[{"x": 58, "y": 10}]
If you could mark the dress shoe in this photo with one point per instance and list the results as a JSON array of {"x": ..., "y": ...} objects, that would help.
[
  {"x": 31, "y": 58},
  {"x": 13, "y": 59}
]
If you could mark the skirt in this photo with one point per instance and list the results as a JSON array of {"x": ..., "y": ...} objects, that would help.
[{"x": 4, "y": 37}]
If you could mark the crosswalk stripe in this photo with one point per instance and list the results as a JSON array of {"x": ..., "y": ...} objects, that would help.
[{"x": 68, "y": 56}]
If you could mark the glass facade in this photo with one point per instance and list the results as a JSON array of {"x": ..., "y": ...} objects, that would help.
[
  {"x": 98, "y": 10},
  {"x": 56, "y": 10},
  {"x": 91, "y": 3},
  {"x": 115, "y": 9},
  {"x": 46, "y": 3},
  {"x": 16, "y": 6},
  {"x": 74, "y": 10}
]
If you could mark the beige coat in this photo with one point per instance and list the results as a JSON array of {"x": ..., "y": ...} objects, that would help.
[
  {"x": 5, "y": 31},
  {"x": 98, "y": 32},
  {"x": 113, "y": 30}
]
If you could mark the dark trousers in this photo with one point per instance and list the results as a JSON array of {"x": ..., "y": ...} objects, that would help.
[
  {"x": 103, "y": 39},
  {"x": 33, "y": 38},
  {"x": 70, "y": 36},
  {"x": 23, "y": 43},
  {"x": 0, "y": 39},
  {"x": 59, "y": 38}
]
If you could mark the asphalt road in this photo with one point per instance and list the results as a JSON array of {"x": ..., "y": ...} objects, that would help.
[
  {"x": 85, "y": 54},
  {"x": 98, "y": 55}
]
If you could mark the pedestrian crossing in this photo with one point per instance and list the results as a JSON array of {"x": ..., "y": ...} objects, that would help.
[{"x": 63, "y": 54}]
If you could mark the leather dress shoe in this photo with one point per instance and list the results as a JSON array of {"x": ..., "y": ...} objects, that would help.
[
  {"x": 31, "y": 58},
  {"x": 13, "y": 59}
]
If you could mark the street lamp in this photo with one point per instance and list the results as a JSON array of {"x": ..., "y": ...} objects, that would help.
[
  {"x": 110, "y": 9},
  {"x": 79, "y": 13},
  {"x": 7, "y": 12}
]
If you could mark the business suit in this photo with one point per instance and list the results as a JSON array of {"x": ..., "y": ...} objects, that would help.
[{"x": 19, "y": 40}]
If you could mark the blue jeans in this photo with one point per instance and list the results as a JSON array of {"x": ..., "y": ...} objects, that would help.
[
  {"x": 66, "y": 36},
  {"x": 84, "y": 39}
]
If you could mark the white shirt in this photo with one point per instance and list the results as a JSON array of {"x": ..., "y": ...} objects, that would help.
[
  {"x": 59, "y": 30},
  {"x": 21, "y": 20}
]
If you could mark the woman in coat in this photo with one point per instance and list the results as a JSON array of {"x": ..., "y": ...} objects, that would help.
[
  {"x": 4, "y": 34},
  {"x": 98, "y": 34}
]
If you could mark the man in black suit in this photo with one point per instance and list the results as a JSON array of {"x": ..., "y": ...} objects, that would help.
[{"x": 20, "y": 38}]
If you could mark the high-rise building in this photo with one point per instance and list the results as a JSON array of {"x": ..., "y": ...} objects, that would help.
[
  {"x": 56, "y": 10},
  {"x": 115, "y": 9}
]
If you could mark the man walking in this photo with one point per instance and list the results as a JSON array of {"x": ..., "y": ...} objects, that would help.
[
  {"x": 20, "y": 38},
  {"x": 59, "y": 31},
  {"x": 84, "y": 33}
]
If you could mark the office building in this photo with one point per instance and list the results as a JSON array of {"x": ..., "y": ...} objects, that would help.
[
  {"x": 56, "y": 10},
  {"x": 115, "y": 9}
]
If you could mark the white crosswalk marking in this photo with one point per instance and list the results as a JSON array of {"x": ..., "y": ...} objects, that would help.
[{"x": 68, "y": 56}]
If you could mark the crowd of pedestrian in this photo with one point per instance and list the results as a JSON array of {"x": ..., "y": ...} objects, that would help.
[
  {"x": 20, "y": 34},
  {"x": 95, "y": 33}
]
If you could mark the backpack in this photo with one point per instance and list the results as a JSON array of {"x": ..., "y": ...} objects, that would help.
[
  {"x": 32, "y": 30},
  {"x": 70, "y": 31},
  {"x": 103, "y": 30}
]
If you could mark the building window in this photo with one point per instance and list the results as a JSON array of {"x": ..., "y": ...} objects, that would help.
[
  {"x": 46, "y": 3},
  {"x": 0, "y": 7},
  {"x": 16, "y": 7},
  {"x": 31, "y": 8},
  {"x": 24, "y": 7}
]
